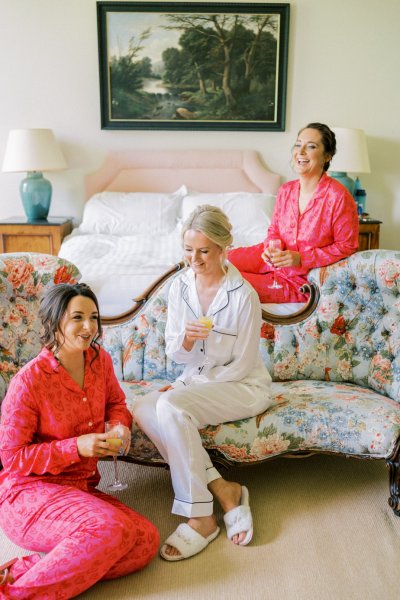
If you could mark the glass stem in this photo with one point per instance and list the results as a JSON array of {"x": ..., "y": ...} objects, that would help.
[{"x": 116, "y": 476}]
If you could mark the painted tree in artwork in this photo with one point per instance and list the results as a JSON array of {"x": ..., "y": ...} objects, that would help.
[
  {"x": 127, "y": 73},
  {"x": 252, "y": 52},
  {"x": 192, "y": 63},
  {"x": 234, "y": 42}
]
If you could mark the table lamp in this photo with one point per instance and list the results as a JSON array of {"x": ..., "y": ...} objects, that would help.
[
  {"x": 351, "y": 155},
  {"x": 34, "y": 151}
]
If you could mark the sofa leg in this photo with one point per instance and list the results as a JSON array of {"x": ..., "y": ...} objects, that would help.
[{"x": 394, "y": 483}]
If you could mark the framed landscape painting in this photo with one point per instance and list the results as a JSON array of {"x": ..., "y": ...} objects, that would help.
[{"x": 193, "y": 65}]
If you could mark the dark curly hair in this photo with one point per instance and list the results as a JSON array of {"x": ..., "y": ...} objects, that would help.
[
  {"x": 328, "y": 140},
  {"x": 52, "y": 309}
]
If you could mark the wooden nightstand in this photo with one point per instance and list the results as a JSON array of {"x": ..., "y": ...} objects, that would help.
[
  {"x": 17, "y": 234},
  {"x": 368, "y": 238}
]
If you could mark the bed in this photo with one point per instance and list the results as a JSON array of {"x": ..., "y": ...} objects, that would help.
[{"x": 136, "y": 201}]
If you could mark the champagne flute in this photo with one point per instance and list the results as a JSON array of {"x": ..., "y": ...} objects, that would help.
[
  {"x": 275, "y": 245},
  {"x": 207, "y": 322},
  {"x": 116, "y": 442}
]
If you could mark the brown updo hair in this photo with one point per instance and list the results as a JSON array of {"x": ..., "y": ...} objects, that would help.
[
  {"x": 53, "y": 307},
  {"x": 328, "y": 140}
]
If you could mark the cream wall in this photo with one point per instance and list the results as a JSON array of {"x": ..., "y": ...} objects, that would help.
[{"x": 343, "y": 70}]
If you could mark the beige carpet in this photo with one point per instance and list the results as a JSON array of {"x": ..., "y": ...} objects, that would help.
[{"x": 323, "y": 531}]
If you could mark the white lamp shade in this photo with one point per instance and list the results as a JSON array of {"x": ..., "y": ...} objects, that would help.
[
  {"x": 351, "y": 151},
  {"x": 32, "y": 150}
]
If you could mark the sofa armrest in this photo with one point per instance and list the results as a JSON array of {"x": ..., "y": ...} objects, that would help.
[{"x": 137, "y": 345}]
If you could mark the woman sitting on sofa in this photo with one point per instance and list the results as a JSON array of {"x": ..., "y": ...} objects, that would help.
[
  {"x": 51, "y": 437},
  {"x": 213, "y": 328},
  {"x": 315, "y": 221}
]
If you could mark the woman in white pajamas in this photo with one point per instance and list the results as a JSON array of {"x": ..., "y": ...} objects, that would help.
[{"x": 224, "y": 380}]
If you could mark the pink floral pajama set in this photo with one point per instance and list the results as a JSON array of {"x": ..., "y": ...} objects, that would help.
[
  {"x": 48, "y": 499},
  {"x": 324, "y": 233}
]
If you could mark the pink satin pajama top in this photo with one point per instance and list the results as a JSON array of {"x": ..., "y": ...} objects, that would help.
[
  {"x": 44, "y": 412},
  {"x": 324, "y": 233}
]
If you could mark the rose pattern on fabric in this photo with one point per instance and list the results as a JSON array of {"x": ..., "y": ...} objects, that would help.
[
  {"x": 23, "y": 279},
  {"x": 339, "y": 326}
]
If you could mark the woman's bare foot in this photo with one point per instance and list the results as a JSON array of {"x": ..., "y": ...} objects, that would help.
[
  {"x": 228, "y": 494},
  {"x": 205, "y": 526}
]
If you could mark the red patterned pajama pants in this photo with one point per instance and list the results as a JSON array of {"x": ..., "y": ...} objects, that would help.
[
  {"x": 261, "y": 276},
  {"x": 87, "y": 536}
]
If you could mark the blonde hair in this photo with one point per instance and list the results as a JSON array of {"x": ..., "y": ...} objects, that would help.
[{"x": 212, "y": 222}]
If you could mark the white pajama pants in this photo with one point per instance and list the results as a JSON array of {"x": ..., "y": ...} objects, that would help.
[{"x": 172, "y": 419}]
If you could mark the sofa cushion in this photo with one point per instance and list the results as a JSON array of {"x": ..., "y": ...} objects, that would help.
[{"x": 316, "y": 416}]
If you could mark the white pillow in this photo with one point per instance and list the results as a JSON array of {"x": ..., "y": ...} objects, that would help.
[
  {"x": 249, "y": 212},
  {"x": 132, "y": 213}
]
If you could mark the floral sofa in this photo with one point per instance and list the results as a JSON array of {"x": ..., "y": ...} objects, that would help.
[
  {"x": 336, "y": 374},
  {"x": 23, "y": 279}
]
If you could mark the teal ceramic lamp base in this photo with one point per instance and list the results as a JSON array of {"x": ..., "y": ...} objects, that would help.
[
  {"x": 344, "y": 179},
  {"x": 36, "y": 196}
]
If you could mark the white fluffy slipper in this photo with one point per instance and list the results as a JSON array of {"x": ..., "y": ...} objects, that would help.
[
  {"x": 239, "y": 519},
  {"x": 187, "y": 541}
]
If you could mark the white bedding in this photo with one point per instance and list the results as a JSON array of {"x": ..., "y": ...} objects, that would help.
[{"x": 119, "y": 268}]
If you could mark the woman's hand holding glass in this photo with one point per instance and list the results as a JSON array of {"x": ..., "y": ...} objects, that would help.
[
  {"x": 96, "y": 445},
  {"x": 197, "y": 331},
  {"x": 120, "y": 432},
  {"x": 284, "y": 258},
  {"x": 91, "y": 445}
]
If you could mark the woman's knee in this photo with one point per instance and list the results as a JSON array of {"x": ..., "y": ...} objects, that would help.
[
  {"x": 130, "y": 530},
  {"x": 143, "y": 538},
  {"x": 143, "y": 412},
  {"x": 169, "y": 404},
  {"x": 174, "y": 409}
]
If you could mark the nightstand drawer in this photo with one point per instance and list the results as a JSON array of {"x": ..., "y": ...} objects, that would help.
[
  {"x": 19, "y": 235},
  {"x": 368, "y": 238}
]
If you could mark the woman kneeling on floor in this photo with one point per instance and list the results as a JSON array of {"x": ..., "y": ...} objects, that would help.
[
  {"x": 213, "y": 328},
  {"x": 51, "y": 437}
]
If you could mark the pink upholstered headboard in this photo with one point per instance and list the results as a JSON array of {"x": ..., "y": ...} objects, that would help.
[{"x": 166, "y": 170}]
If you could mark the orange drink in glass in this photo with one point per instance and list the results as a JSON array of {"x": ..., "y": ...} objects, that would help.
[
  {"x": 207, "y": 321},
  {"x": 115, "y": 443}
]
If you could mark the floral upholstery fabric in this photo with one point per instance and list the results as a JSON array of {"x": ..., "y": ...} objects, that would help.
[
  {"x": 336, "y": 374},
  {"x": 23, "y": 279},
  {"x": 353, "y": 335},
  {"x": 307, "y": 416},
  {"x": 138, "y": 346}
]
